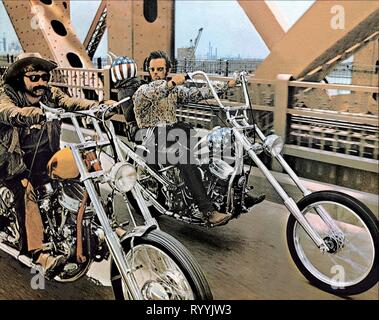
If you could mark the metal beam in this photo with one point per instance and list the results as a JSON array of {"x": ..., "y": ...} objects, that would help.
[
  {"x": 135, "y": 28},
  {"x": 45, "y": 27},
  {"x": 96, "y": 30},
  {"x": 326, "y": 30},
  {"x": 367, "y": 58},
  {"x": 267, "y": 20}
]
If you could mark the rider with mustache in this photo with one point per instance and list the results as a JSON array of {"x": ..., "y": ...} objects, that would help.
[
  {"x": 27, "y": 143},
  {"x": 155, "y": 107}
]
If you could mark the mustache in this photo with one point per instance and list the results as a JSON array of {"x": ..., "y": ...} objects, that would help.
[{"x": 40, "y": 87}]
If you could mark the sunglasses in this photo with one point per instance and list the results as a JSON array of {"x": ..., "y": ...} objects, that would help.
[
  {"x": 159, "y": 69},
  {"x": 36, "y": 77}
]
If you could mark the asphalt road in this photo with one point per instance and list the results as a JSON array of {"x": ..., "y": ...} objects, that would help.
[{"x": 244, "y": 260}]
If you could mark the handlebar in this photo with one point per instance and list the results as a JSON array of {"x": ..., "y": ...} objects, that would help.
[
  {"x": 59, "y": 113},
  {"x": 241, "y": 76}
]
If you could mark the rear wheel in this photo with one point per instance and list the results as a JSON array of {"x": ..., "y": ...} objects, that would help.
[
  {"x": 164, "y": 270},
  {"x": 10, "y": 220},
  {"x": 351, "y": 265}
]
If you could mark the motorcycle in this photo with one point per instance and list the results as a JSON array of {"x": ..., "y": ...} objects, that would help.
[
  {"x": 332, "y": 237},
  {"x": 80, "y": 222}
]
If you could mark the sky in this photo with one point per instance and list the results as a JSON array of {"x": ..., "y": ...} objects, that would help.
[{"x": 224, "y": 23}]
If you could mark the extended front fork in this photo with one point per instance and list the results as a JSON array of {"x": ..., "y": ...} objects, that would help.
[
  {"x": 287, "y": 200},
  {"x": 111, "y": 238}
]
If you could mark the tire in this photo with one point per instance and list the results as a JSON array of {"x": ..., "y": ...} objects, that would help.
[
  {"x": 192, "y": 279},
  {"x": 348, "y": 270},
  {"x": 12, "y": 220}
]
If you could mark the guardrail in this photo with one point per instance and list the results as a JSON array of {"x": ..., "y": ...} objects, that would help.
[{"x": 331, "y": 130}]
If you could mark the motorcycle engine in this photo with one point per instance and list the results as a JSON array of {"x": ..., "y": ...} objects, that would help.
[
  {"x": 9, "y": 227},
  {"x": 216, "y": 181},
  {"x": 59, "y": 204},
  {"x": 179, "y": 199},
  {"x": 71, "y": 195},
  {"x": 6, "y": 200},
  {"x": 221, "y": 169}
]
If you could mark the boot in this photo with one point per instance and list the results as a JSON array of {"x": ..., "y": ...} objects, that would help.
[
  {"x": 252, "y": 200},
  {"x": 47, "y": 261},
  {"x": 217, "y": 218},
  {"x": 120, "y": 232}
]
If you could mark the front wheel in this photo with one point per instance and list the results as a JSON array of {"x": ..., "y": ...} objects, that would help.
[
  {"x": 164, "y": 270},
  {"x": 351, "y": 265}
]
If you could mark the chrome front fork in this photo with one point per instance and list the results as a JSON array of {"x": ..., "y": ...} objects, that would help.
[
  {"x": 111, "y": 238},
  {"x": 288, "y": 201},
  {"x": 325, "y": 216}
]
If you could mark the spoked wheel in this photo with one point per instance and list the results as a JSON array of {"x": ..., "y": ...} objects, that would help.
[
  {"x": 351, "y": 264},
  {"x": 164, "y": 270}
]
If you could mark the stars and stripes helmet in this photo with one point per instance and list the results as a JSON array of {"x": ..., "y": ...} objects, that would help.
[{"x": 123, "y": 68}]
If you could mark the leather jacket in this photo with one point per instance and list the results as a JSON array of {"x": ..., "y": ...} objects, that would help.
[{"x": 17, "y": 116}]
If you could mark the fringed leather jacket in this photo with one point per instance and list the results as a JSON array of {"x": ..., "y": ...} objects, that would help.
[{"x": 16, "y": 119}]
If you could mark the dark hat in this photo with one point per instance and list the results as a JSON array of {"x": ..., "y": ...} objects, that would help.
[{"x": 24, "y": 61}]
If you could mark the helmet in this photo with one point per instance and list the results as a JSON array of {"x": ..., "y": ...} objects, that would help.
[{"x": 123, "y": 68}]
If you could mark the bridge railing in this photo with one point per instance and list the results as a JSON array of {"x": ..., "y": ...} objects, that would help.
[
  {"x": 89, "y": 83},
  {"x": 342, "y": 119},
  {"x": 331, "y": 131}
]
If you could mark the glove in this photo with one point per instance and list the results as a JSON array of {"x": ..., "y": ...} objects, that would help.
[{"x": 28, "y": 116}]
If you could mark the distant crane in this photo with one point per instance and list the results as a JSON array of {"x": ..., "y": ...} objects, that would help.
[{"x": 193, "y": 45}]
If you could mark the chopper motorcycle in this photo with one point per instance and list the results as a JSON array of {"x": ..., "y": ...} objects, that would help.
[
  {"x": 81, "y": 223},
  {"x": 332, "y": 237}
]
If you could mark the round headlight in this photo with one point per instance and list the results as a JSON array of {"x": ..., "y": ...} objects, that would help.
[
  {"x": 273, "y": 145},
  {"x": 124, "y": 176}
]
